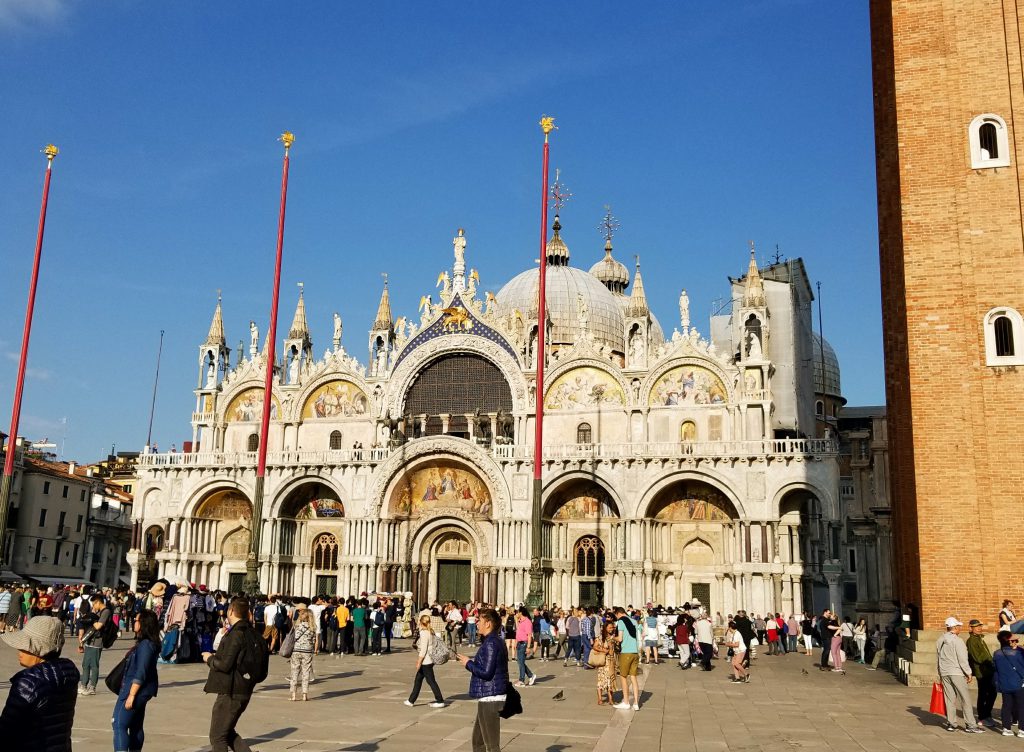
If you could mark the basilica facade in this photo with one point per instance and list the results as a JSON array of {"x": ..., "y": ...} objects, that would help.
[{"x": 676, "y": 464}]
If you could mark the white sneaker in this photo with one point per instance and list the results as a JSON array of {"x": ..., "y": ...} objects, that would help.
[
  {"x": 81, "y": 689},
  {"x": 1020, "y": 734},
  {"x": 1007, "y": 732},
  {"x": 531, "y": 680},
  {"x": 636, "y": 707},
  {"x": 437, "y": 704},
  {"x": 408, "y": 704},
  {"x": 622, "y": 706}
]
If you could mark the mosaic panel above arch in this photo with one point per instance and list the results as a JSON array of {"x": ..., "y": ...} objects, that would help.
[
  {"x": 688, "y": 385},
  {"x": 226, "y": 504},
  {"x": 247, "y": 406},
  {"x": 437, "y": 485},
  {"x": 592, "y": 503},
  {"x": 583, "y": 388},
  {"x": 692, "y": 502},
  {"x": 336, "y": 399}
]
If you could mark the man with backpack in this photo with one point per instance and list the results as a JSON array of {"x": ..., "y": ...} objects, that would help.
[
  {"x": 101, "y": 633},
  {"x": 241, "y": 662}
]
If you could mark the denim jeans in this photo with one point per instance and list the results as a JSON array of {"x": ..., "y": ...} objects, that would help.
[
  {"x": 575, "y": 646},
  {"x": 524, "y": 670},
  {"x": 471, "y": 633},
  {"x": 91, "y": 666},
  {"x": 128, "y": 734},
  {"x": 586, "y": 643}
]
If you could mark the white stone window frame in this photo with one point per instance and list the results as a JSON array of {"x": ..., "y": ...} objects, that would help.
[
  {"x": 978, "y": 160},
  {"x": 1017, "y": 327}
]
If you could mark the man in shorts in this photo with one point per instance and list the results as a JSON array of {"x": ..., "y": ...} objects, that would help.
[{"x": 628, "y": 638}]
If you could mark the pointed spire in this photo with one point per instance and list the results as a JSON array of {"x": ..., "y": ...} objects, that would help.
[
  {"x": 754, "y": 295},
  {"x": 637, "y": 307},
  {"x": 300, "y": 329},
  {"x": 383, "y": 321},
  {"x": 557, "y": 250},
  {"x": 216, "y": 335}
]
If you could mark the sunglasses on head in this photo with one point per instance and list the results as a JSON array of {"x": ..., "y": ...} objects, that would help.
[{"x": 1014, "y": 642}]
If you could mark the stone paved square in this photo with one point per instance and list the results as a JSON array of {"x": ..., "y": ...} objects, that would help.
[{"x": 356, "y": 705}]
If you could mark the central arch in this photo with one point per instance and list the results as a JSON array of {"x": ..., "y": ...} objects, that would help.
[
  {"x": 445, "y": 554},
  {"x": 449, "y": 390}
]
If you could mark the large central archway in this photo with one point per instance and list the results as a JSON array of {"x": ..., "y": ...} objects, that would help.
[{"x": 450, "y": 390}]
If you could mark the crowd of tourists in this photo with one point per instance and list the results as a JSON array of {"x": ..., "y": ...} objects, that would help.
[{"x": 180, "y": 622}]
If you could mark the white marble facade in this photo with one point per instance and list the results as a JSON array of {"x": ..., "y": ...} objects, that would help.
[{"x": 663, "y": 476}]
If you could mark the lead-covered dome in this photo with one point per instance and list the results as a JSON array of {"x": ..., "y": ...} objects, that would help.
[
  {"x": 826, "y": 368},
  {"x": 565, "y": 286}
]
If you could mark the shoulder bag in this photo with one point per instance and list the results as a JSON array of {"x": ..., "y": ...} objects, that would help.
[{"x": 115, "y": 678}]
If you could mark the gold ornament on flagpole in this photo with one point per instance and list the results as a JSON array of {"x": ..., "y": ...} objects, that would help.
[
  {"x": 547, "y": 124},
  {"x": 50, "y": 151},
  {"x": 287, "y": 138}
]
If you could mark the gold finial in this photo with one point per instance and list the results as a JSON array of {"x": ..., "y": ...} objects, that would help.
[
  {"x": 50, "y": 151},
  {"x": 287, "y": 138},
  {"x": 547, "y": 124}
]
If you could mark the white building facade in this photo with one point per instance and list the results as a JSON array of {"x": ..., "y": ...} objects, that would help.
[{"x": 674, "y": 467}]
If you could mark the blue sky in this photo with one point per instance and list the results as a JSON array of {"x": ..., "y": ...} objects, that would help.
[{"x": 704, "y": 125}]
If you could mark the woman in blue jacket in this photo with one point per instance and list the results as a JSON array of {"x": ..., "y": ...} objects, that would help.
[
  {"x": 139, "y": 685},
  {"x": 1009, "y": 662},
  {"x": 489, "y": 682}
]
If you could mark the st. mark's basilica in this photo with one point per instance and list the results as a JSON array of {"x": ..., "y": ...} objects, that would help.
[{"x": 677, "y": 463}]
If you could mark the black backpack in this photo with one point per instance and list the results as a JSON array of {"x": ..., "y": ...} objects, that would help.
[
  {"x": 253, "y": 659},
  {"x": 108, "y": 632}
]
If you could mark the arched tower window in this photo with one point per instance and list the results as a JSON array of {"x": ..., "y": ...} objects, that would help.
[
  {"x": 325, "y": 552},
  {"x": 253, "y": 444},
  {"x": 589, "y": 557},
  {"x": 335, "y": 440},
  {"x": 583, "y": 434},
  {"x": 819, "y": 409},
  {"x": 1004, "y": 329},
  {"x": 753, "y": 344},
  {"x": 990, "y": 146}
]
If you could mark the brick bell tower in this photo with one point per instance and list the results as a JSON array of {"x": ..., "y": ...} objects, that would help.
[{"x": 947, "y": 90}]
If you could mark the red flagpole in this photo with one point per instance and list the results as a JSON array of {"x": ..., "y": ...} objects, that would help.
[
  {"x": 51, "y": 151},
  {"x": 252, "y": 584},
  {"x": 536, "y": 594}
]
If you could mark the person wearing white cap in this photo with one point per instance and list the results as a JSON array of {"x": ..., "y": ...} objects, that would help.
[
  {"x": 40, "y": 708},
  {"x": 955, "y": 673}
]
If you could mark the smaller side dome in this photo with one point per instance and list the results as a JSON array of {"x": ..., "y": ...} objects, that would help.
[
  {"x": 825, "y": 381},
  {"x": 612, "y": 273}
]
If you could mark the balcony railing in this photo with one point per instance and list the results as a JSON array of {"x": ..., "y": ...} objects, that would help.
[{"x": 636, "y": 450}]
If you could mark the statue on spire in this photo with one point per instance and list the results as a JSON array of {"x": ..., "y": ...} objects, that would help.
[
  {"x": 459, "y": 269},
  {"x": 684, "y": 310},
  {"x": 459, "y": 242},
  {"x": 337, "y": 332},
  {"x": 254, "y": 339}
]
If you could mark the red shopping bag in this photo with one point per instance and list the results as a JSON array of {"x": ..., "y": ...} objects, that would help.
[{"x": 938, "y": 705}]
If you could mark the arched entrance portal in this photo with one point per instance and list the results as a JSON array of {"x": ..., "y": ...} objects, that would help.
[
  {"x": 443, "y": 565},
  {"x": 454, "y": 556},
  {"x": 220, "y": 528}
]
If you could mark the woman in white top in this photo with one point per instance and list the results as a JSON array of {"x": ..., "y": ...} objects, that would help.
[
  {"x": 860, "y": 637},
  {"x": 425, "y": 665},
  {"x": 734, "y": 640}
]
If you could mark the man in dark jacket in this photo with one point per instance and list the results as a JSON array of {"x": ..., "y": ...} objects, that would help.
[
  {"x": 489, "y": 682},
  {"x": 746, "y": 629},
  {"x": 40, "y": 708},
  {"x": 235, "y": 669}
]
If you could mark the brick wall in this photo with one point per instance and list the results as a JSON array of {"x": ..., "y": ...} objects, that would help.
[{"x": 950, "y": 245}]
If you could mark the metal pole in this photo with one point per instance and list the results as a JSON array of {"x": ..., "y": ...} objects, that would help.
[
  {"x": 152, "y": 404},
  {"x": 252, "y": 577},
  {"x": 535, "y": 597},
  {"x": 50, "y": 151}
]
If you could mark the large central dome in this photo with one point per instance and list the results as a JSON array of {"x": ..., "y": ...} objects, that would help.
[{"x": 564, "y": 284}]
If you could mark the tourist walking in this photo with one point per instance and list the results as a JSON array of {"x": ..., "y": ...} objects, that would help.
[
  {"x": 138, "y": 685},
  {"x": 92, "y": 644},
  {"x": 425, "y": 665},
  {"x": 604, "y": 647},
  {"x": 240, "y": 663},
  {"x": 651, "y": 637},
  {"x": 983, "y": 669},
  {"x": 1008, "y": 663},
  {"x": 572, "y": 630},
  {"x": 794, "y": 632},
  {"x": 734, "y": 641},
  {"x": 301, "y": 659},
  {"x": 704, "y": 634},
  {"x": 828, "y": 627},
  {"x": 836, "y": 648},
  {"x": 40, "y": 708},
  {"x": 681, "y": 638},
  {"x": 955, "y": 673},
  {"x": 489, "y": 682},
  {"x": 628, "y": 639},
  {"x": 807, "y": 632},
  {"x": 5, "y": 607},
  {"x": 587, "y": 632},
  {"x": 524, "y": 642}
]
